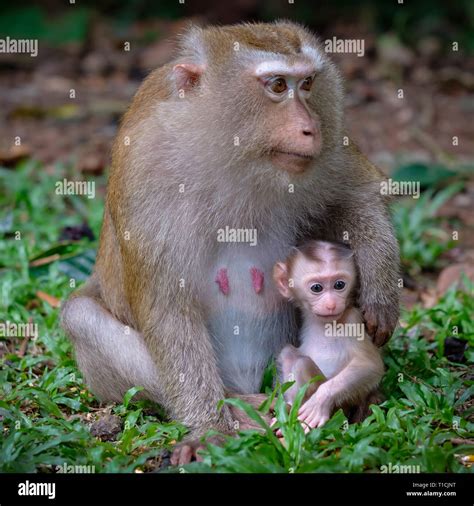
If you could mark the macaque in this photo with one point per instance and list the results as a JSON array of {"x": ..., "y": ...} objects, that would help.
[
  {"x": 320, "y": 278},
  {"x": 228, "y": 156}
]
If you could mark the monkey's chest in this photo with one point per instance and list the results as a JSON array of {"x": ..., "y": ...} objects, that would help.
[
  {"x": 330, "y": 354},
  {"x": 239, "y": 284},
  {"x": 247, "y": 319}
]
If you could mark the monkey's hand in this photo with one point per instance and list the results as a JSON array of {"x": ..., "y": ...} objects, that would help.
[
  {"x": 316, "y": 411},
  {"x": 380, "y": 321}
]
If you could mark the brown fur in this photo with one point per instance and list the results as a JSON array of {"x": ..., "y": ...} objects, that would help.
[{"x": 189, "y": 141}]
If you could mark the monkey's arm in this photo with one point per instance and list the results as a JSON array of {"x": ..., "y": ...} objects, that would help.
[
  {"x": 359, "y": 214},
  {"x": 358, "y": 378}
]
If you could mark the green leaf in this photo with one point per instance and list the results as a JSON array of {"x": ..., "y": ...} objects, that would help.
[
  {"x": 129, "y": 394},
  {"x": 255, "y": 416},
  {"x": 426, "y": 175}
]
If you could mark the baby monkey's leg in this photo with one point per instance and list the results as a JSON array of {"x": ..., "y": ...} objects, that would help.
[{"x": 294, "y": 366}]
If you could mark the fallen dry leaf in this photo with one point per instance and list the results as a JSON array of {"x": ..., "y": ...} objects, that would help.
[
  {"x": 52, "y": 301},
  {"x": 452, "y": 275},
  {"x": 429, "y": 298},
  {"x": 45, "y": 260},
  {"x": 13, "y": 154}
]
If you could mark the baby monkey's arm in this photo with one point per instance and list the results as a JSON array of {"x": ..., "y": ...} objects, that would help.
[{"x": 361, "y": 375}]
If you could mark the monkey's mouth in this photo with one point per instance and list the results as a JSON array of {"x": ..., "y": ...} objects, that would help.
[
  {"x": 333, "y": 316},
  {"x": 303, "y": 156},
  {"x": 290, "y": 161}
]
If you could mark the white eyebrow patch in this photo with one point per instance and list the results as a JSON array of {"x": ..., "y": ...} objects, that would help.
[{"x": 274, "y": 67}]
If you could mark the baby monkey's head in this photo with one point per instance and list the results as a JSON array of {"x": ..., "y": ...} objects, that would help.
[{"x": 320, "y": 277}]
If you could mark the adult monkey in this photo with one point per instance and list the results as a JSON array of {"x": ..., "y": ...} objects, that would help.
[{"x": 242, "y": 131}]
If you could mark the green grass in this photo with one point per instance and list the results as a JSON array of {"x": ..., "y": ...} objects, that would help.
[
  {"x": 44, "y": 405},
  {"x": 426, "y": 407},
  {"x": 420, "y": 233}
]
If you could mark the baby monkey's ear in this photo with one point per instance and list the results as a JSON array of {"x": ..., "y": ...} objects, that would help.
[{"x": 280, "y": 276}]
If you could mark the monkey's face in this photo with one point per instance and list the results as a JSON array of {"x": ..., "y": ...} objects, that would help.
[
  {"x": 321, "y": 286},
  {"x": 267, "y": 94},
  {"x": 324, "y": 288},
  {"x": 294, "y": 132}
]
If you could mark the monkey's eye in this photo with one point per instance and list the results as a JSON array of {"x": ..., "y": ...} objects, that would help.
[
  {"x": 277, "y": 85},
  {"x": 316, "y": 288},
  {"x": 307, "y": 83},
  {"x": 339, "y": 285}
]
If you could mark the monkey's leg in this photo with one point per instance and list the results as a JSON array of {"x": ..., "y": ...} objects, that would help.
[
  {"x": 294, "y": 366},
  {"x": 286, "y": 360},
  {"x": 285, "y": 363},
  {"x": 362, "y": 410},
  {"x": 304, "y": 371},
  {"x": 112, "y": 356}
]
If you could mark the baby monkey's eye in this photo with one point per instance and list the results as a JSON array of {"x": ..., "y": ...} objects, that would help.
[
  {"x": 307, "y": 83},
  {"x": 277, "y": 85},
  {"x": 316, "y": 288},
  {"x": 339, "y": 285}
]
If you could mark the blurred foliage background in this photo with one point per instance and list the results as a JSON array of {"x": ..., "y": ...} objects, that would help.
[{"x": 53, "y": 21}]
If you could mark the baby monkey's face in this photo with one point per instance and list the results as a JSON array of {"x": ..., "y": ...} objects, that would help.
[
  {"x": 323, "y": 287},
  {"x": 320, "y": 279}
]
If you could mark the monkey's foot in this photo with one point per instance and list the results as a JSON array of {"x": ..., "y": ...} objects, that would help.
[
  {"x": 362, "y": 410},
  {"x": 241, "y": 420},
  {"x": 184, "y": 453},
  {"x": 187, "y": 451},
  {"x": 278, "y": 433}
]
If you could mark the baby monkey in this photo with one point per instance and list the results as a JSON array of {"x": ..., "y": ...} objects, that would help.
[{"x": 320, "y": 278}]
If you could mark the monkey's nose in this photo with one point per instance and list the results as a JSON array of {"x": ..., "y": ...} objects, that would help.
[
  {"x": 309, "y": 129},
  {"x": 310, "y": 137}
]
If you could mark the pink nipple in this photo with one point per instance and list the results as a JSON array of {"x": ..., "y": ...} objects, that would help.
[
  {"x": 257, "y": 279},
  {"x": 223, "y": 281}
]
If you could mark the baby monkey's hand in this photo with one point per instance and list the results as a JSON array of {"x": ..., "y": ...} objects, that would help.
[{"x": 316, "y": 411}]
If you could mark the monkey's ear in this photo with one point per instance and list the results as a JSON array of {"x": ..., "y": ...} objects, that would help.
[
  {"x": 280, "y": 276},
  {"x": 187, "y": 75}
]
